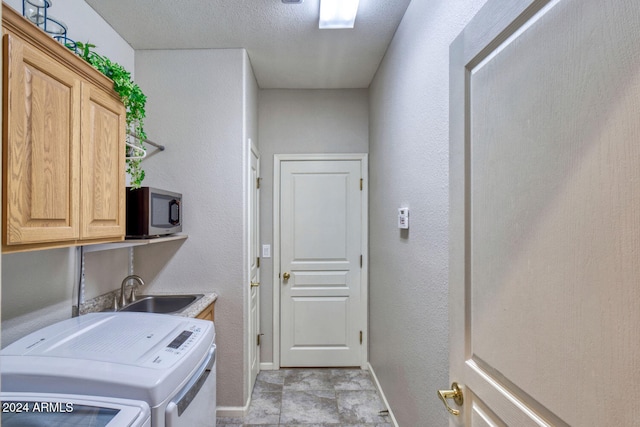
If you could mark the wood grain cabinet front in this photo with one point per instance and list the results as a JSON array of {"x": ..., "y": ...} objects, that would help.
[
  {"x": 63, "y": 145},
  {"x": 207, "y": 313},
  {"x": 41, "y": 146},
  {"x": 102, "y": 158}
]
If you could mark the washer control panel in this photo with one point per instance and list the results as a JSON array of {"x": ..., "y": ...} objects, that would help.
[{"x": 176, "y": 348}]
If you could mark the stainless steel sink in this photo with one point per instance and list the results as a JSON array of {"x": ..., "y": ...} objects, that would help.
[{"x": 161, "y": 303}]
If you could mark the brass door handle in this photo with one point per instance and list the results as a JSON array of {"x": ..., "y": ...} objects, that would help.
[
  {"x": 286, "y": 276},
  {"x": 255, "y": 284},
  {"x": 456, "y": 394}
]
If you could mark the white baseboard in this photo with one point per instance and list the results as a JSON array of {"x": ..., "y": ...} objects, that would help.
[
  {"x": 384, "y": 398},
  {"x": 268, "y": 366},
  {"x": 233, "y": 411}
]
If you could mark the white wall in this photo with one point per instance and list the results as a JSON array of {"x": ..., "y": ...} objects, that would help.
[
  {"x": 409, "y": 167},
  {"x": 199, "y": 106},
  {"x": 37, "y": 287},
  {"x": 293, "y": 122},
  {"x": 85, "y": 25},
  {"x": 37, "y": 290}
]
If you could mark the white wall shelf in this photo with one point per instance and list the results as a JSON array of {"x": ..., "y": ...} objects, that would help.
[{"x": 133, "y": 242}]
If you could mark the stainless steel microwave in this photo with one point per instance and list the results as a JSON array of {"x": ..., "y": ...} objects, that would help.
[{"x": 153, "y": 212}]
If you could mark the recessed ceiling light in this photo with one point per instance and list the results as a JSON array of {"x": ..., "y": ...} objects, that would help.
[
  {"x": 338, "y": 13},
  {"x": 292, "y": 1}
]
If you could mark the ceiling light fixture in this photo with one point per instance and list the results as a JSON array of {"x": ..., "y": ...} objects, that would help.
[{"x": 338, "y": 13}]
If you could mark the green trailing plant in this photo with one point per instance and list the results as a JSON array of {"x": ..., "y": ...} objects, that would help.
[{"x": 132, "y": 98}]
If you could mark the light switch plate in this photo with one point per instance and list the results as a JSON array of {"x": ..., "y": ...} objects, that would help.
[
  {"x": 403, "y": 218},
  {"x": 266, "y": 251}
]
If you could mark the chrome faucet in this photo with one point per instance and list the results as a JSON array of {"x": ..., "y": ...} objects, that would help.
[{"x": 123, "y": 298}]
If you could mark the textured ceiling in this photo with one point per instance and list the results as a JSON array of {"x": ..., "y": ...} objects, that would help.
[{"x": 286, "y": 48}]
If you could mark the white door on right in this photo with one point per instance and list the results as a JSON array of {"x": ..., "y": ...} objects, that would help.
[{"x": 545, "y": 214}]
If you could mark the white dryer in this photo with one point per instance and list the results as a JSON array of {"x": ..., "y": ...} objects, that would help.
[{"x": 166, "y": 361}]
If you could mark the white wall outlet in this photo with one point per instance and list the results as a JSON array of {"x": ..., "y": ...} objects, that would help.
[
  {"x": 403, "y": 218},
  {"x": 266, "y": 251}
]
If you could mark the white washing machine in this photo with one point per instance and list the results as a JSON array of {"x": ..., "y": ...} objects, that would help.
[
  {"x": 66, "y": 410},
  {"x": 166, "y": 361}
]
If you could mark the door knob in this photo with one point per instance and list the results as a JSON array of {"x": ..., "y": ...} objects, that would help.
[
  {"x": 286, "y": 276},
  {"x": 456, "y": 394},
  {"x": 255, "y": 284}
]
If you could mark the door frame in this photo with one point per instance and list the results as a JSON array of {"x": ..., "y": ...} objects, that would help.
[{"x": 364, "y": 277}]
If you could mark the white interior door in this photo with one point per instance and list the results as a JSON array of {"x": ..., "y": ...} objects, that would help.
[
  {"x": 322, "y": 307},
  {"x": 254, "y": 254},
  {"x": 545, "y": 223}
]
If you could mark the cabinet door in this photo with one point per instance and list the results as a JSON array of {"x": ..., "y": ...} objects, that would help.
[
  {"x": 41, "y": 146},
  {"x": 207, "y": 313},
  {"x": 103, "y": 169}
]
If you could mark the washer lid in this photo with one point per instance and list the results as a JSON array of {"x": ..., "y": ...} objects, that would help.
[
  {"x": 138, "y": 356},
  {"x": 123, "y": 338},
  {"x": 57, "y": 410}
]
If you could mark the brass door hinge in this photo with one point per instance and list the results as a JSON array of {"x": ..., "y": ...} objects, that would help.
[
  {"x": 360, "y": 337},
  {"x": 361, "y": 183},
  {"x": 258, "y": 262},
  {"x": 258, "y": 339},
  {"x": 258, "y": 182},
  {"x": 360, "y": 261}
]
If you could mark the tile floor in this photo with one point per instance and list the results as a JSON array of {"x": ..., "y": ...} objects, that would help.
[{"x": 313, "y": 398}]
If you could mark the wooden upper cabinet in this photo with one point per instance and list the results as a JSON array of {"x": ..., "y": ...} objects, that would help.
[
  {"x": 102, "y": 154},
  {"x": 42, "y": 154},
  {"x": 64, "y": 132}
]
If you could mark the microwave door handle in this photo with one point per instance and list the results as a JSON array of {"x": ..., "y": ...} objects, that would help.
[{"x": 174, "y": 220}]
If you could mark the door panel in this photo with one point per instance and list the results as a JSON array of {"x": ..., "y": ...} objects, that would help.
[
  {"x": 103, "y": 159},
  {"x": 330, "y": 312},
  {"x": 321, "y": 226},
  {"x": 41, "y": 147},
  {"x": 482, "y": 416},
  {"x": 545, "y": 230}
]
